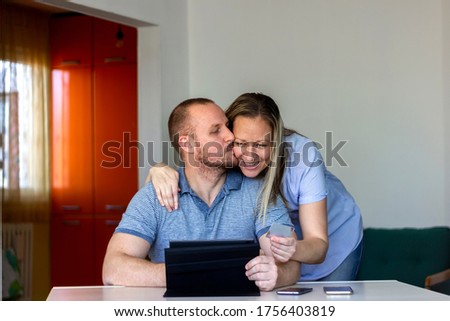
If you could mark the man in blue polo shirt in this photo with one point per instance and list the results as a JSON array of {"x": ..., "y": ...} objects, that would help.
[{"x": 213, "y": 204}]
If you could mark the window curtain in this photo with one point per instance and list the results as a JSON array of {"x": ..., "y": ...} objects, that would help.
[{"x": 25, "y": 98}]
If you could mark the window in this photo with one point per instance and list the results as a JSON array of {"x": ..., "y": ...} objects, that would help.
[
  {"x": 15, "y": 114},
  {"x": 24, "y": 103}
]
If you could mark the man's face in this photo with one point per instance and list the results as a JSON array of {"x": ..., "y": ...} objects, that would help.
[{"x": 212, "y": 140}]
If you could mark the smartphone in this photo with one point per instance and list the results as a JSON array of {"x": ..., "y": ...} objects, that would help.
[
  {"x": 338, "y": 290},
  {"x": 294, "y": 291}
]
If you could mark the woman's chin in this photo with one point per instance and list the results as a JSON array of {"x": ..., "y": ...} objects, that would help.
[{"x": 250, "y": 172}]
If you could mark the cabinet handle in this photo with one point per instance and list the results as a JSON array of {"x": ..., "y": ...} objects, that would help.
[
  {"x": 72, "y": 223},
  {"x": 114, "y": 59},
  {"x": 71, "y": 207},
  {"x": 111, "y": 222},
  {"x": 110, "y": 207},
  {"x": 70, "y": 62}
]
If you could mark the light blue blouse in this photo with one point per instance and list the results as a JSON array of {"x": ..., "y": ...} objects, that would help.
[{"x": 306, "y": 180}]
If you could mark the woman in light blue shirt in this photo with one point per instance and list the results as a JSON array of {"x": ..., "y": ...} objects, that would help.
[
  {"x": 326, "y": 218},
  {"x": 345, "y": 228}
]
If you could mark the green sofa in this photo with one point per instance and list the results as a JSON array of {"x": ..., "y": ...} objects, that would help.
[{"x": 405, "y": 254}]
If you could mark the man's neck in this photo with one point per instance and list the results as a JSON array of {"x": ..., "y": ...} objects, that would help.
[{"x": 206, "y": 182}]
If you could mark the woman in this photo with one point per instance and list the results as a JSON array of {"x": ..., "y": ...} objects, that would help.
[{"x": 326, "y": 218}]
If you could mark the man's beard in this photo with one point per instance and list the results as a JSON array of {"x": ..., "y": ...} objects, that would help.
[
  {"x": 224, "y": 163},
  {"x": 212, "y": 160}
]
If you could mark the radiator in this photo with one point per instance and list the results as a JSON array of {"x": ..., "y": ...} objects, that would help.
[{"x": 20, "y": 238}]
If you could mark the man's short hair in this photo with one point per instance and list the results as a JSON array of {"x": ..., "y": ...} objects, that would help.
[{"x": 179, "y": 120}]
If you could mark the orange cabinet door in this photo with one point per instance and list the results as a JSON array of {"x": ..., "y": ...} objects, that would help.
[
  {"x": 114, "y": 43},
  {"x": 71, "y": 40},
  {"x": 72, "y": 251},
  {"x": 71, "y": 154},
  {"x": 115, "y": 137},
  {"x": 103, "y": 230}
]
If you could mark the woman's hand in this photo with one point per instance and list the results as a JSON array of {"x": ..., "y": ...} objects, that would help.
[
  {"x": 283, "y": 248},
  {"x": 165, "y": 182}
]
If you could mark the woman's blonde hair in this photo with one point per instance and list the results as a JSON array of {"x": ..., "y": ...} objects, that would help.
[{"x": 255, "y": 105}]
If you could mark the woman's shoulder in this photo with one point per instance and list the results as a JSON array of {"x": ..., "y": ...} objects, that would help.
[
  {"x": 302, "y": 152},
  {"x": 298, "y": 142},
  {"x": 296, "y": 137}
]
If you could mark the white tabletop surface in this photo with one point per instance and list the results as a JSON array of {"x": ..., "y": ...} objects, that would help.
[{"x": 363, "y": 291}]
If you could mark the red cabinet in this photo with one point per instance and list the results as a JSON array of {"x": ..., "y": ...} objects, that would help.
[
  {"x": 115, "y": 137},
  {"x": 113, "y": 43},
  {"x": 72, "y": 145},
  {"x": 94, "y": 136},
  {"x": 104, "y": 226},
  {"x": 73, "y": 251},
  {"x": 71, "y": 41}
]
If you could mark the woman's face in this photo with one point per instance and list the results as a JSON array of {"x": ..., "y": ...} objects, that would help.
[{"x": 252, "y": 144}]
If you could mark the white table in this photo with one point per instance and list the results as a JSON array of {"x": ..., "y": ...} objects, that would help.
[{"x": 363, "y": 291}]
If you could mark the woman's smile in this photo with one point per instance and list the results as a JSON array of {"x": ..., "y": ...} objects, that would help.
[{"x": 252, "y": 144}]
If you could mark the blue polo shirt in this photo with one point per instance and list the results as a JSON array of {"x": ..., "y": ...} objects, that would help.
[{"x": 232, "y": 215}]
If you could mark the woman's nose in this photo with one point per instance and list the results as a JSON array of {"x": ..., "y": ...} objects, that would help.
[{"x": 249, "y": 154}]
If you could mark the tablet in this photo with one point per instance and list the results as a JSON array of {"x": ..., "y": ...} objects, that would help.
[{"x": 209, "y": 268}]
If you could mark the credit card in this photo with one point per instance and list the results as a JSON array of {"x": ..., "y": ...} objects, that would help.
[{"x": 277, "y": 229}]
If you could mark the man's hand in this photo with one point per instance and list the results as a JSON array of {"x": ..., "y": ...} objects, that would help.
[
  {"x": 263, "y": 270},
  {"x": 268, "y": 271}
]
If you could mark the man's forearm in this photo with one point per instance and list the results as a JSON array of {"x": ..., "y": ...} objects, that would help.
[{"x": 131, "y": 271}]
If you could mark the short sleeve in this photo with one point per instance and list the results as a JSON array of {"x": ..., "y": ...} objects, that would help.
[
  {"x": 141, "y": 216},
  {"x": 304, "y": 176}
]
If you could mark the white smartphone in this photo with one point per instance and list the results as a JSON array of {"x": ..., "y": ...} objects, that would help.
[
  {"x": 294, "y": 291},
  {"x": 338, "y": 290}
]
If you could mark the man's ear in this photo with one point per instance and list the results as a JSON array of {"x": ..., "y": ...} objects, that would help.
[{"x": 186, "y": 143}]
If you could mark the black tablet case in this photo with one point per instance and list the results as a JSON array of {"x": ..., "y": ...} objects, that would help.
[{"x": 209, "y": 268}]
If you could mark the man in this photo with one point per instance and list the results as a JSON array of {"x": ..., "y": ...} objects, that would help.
[{"x": 213, "y": 204}]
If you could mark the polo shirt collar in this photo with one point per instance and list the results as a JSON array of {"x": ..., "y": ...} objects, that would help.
[{"x": 233, "y": 181}]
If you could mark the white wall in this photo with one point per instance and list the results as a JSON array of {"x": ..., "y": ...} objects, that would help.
[{"x": 370, "y": 72}]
